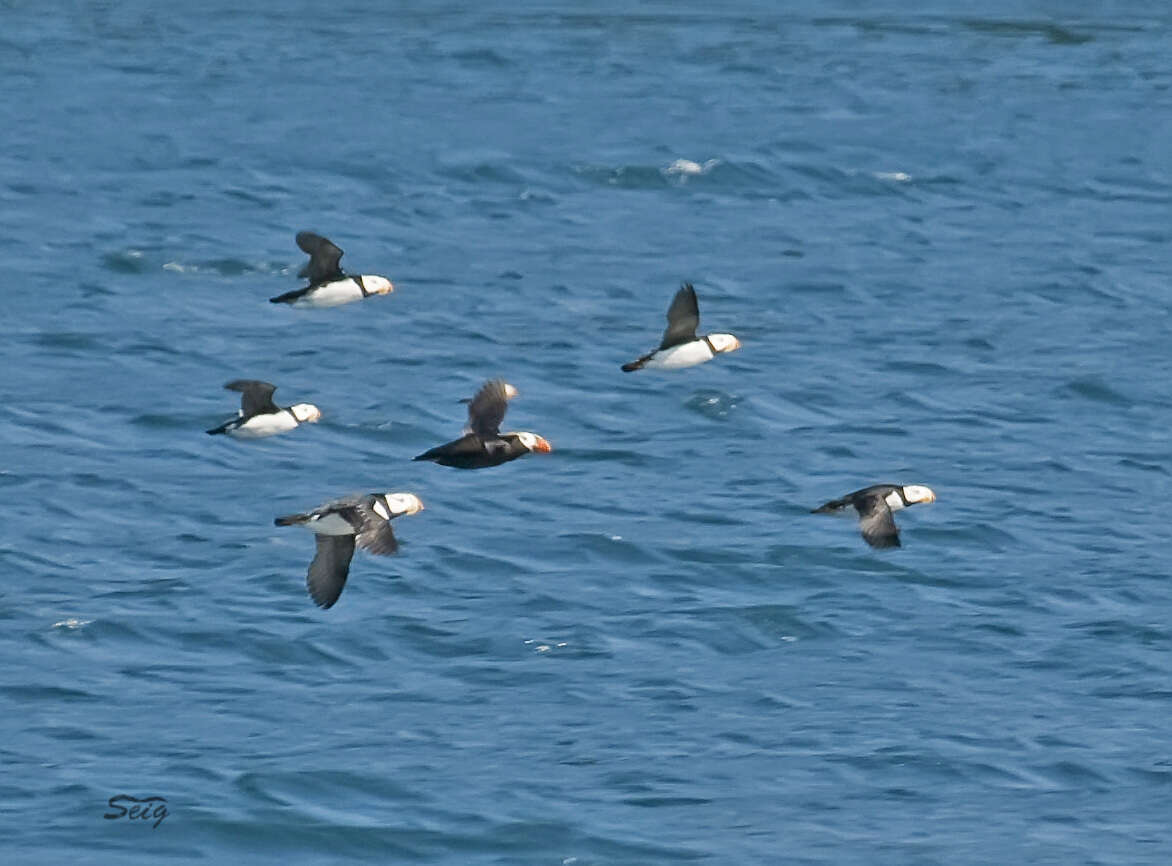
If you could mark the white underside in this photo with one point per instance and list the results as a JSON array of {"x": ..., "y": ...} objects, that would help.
[
  {"x": 259, "y": 426},
  {"x": 331, "y": 294},
  {"x": 678, "y": 357},
  {"x": 330, "y": 524}
]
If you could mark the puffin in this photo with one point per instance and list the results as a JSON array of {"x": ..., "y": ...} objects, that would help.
[
  {"x": 680, "y": 346},
  {"x": 483, "y": 444},
  {"x": 260, "y": 416},
  {"x": 338, "y": 526},
  {"x": 875, "y": 505},
  {"x": 329, "y": 285}
]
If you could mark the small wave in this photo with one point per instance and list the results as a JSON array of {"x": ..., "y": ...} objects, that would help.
[
  {"x": 717, "y": 405},
  {"x": 1094, "y": 389},
  {"x": 685, "y": 168}
]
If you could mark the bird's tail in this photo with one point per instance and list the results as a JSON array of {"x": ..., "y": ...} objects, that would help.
[
  {"x": 634, "y": 365},
  {"x": 288, "y": 297},
  {"x": 291, "y": 520},
  {"x": 223, "y": 428}
]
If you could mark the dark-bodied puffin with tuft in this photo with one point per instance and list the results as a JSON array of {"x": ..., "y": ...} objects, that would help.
[{"x": 483, "y": 444}]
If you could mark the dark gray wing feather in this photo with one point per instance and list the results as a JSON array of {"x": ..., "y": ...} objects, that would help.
[
  {"x": 324, "y": 258},
  {"x": 257, "y": 397},
  {"x": 487, "y": 409},
  {"x": 329, "y": 569},
  {"x": 683, "y": 318},
  {"x": 876, "y": 521},
  {"x": 377, "y": 537}
]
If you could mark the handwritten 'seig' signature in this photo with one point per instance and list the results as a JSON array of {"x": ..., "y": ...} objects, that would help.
[{"x": 143, "y": 809}]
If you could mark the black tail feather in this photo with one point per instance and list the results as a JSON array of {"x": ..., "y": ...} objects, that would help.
[{"x": 291, "y": 520}]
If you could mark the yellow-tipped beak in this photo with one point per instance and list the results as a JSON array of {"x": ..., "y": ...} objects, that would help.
[{"x": 543, "y": 446}]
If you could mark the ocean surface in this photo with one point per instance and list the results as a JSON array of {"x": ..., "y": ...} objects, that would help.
[{"x": 943, "y": 237}]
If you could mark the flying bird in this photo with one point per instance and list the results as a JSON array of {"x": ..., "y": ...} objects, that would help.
[
  {"x": 329, "y": 285},
  {"x": 338, "y": 526},
  {"x": 680, "y": 346},
  {"x": 259, "y": 416},
  {"x": 483, "y": 444},
  {"x": 875, "y": 505}
]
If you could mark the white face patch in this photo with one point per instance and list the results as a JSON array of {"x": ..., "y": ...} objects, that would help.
[
  {"x": 724, "y": 342},
  {"x": 919, "y": 493},
  {"x": 377, "y": 285},
  {"x": 893, "y": 500},
  {"x": 306, "y": 413},
  {"x": 381, "y": 510},
  {"x": 403, "y": 503}
]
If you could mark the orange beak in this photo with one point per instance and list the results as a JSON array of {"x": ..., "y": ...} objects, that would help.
[{"x": 542, "y": 446}]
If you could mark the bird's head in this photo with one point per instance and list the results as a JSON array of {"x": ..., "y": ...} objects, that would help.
[
  {"x": 400, "y": 504},
  {"x": 724, "y": 342},
  {"x": 377, "y": 285},
  {"x": 915, "y": 493},
  {"x": 306, "y": 412},
  {"x": 534, "y": 442}
]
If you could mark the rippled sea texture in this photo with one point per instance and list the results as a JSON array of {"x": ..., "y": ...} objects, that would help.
[{"x": 943, "y": 238}]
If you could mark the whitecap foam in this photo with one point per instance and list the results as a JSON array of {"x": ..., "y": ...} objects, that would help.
[{"x": 688, "y": 167}]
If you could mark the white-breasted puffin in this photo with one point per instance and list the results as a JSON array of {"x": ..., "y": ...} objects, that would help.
[
  {"x": 338, "y": 526},
  {"x": 875, "y": 505},
  {"x": 329, "y": 285},
  {"x": 483, "y": 444},
  {"x": 260, "y": 416},
  {"x": 680, "y": 346}
]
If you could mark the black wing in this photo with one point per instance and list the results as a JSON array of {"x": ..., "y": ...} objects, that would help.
[
  {"x": 257, "y": 397},
  {"x": 324, "y": 257},
  {"x": 487, "y": 409},
  {"x": 376, "y": 535},
  {"x": 329, "y": 569},
  {"x": 876, "y": 522},
  {"x": 683, "y": 318}
]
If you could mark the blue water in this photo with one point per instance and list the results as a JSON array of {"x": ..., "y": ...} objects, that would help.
[{"x": 943, "y": 237}]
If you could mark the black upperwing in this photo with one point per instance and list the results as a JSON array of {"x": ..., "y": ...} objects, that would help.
[
  {"x": 324, "y": 259},
  {"x": 487, "y": 409},
  {"x": 683, "y": 318},
  {"x": 330, "y": 568},
  {"x": 876, "y": 521},
  {"x": 256, "y": 397}
]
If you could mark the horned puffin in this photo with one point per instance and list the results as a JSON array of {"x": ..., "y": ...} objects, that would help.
[
  {"x": 483, "y": 444},
  {"x": 875, "y": 505},
  {"x": 680, "y": 346},
  {"x": 260, "y": 416},
  {"x": 329, "y": 285},
  {"x": 338, "y": 526}
]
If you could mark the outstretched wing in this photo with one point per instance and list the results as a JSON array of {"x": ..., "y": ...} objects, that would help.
[
  {"x": 876, "y": 521},
  {"x": 377, "y": 537},
  {"x": 683, "y": 318},
  {"x": 324, "y": 258},
  {"x": 329, "y": 569},
  {"x": 257, "y": 397},
  {"x": 487, "y": 409}
]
